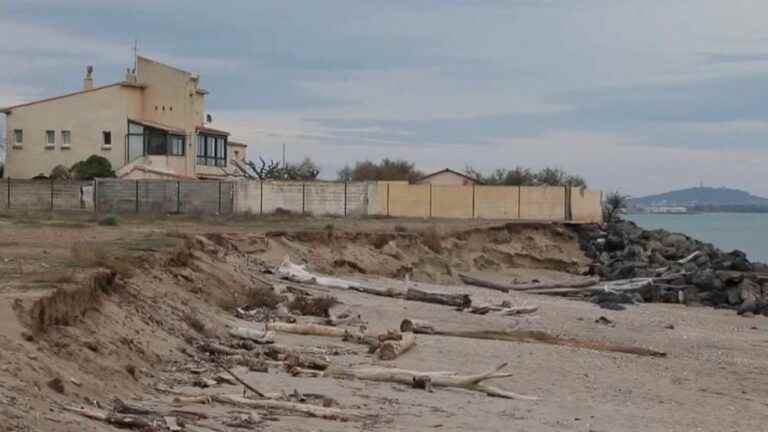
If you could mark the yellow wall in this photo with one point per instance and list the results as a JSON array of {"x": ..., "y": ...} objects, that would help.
[
  {"x": 497, "y": 202},
  {"x": 542, "y": 202},
  {"x": 86, "y": 115},
  {"x": 406, "y": 200},
  {"x": 586, "y": 205},
  {"x": 452, "y": 201}
]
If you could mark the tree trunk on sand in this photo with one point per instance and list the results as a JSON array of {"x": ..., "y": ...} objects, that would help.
[
  {"x": 456, "y": 300},
  {"x": 437, "y": 379},
  {"x": 472, "y": 280},
  {"x": 121, "y": 421},
  {"x": 530, "y": 336},
  {"x": 392, "y": 349},
  {"x": 308, "y": 329},
  {"x": 252, "y": 335}
]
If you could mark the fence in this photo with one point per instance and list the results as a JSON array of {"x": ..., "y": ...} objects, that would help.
[
  {"x": 46, "y": 194},
  {"x": 396, "y": 199}
]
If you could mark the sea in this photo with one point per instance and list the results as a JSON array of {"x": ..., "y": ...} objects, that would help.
[{"x": 727, "y": 231}]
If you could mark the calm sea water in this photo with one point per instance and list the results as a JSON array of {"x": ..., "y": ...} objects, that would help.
[{"x": 727, "y": 231}]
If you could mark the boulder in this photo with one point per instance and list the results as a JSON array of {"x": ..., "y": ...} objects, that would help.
[
  {"x": 614, "y": 243},
  {"x": 706, "y": 280},
  {"x": 729, "y": 277},
  {"x": 678, "y": 242}
]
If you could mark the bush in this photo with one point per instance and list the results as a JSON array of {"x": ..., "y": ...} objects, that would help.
[
  {"x": 60, "y": 172},
  {"x": 615, "y": 204},
  {"x": 314, "y": 306},
  {"x": 93, "y": 167},
  {"x": 108, "y": 221}
]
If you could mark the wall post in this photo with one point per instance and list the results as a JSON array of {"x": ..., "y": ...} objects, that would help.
[
  {"x": 430, "y": 200},
  {"x": 473, "y": 201},
  {"x": 261, "y": 198},
  {"x": 303, "y": 197},
  {"x": 345, "y": 199},
  {"x": 137, "y": 196},
  {"x": 387, "y": 199},
  {"x": 51, "y": 194},
  {"x": 8, "y": 203},
  {"x": 219, "y": 197},
  {"x": 178, "y": 196}
]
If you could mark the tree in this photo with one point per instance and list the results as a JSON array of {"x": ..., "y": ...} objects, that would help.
[
  {"x": 615, "y": 204},
  {"x": 521, "y": 176},
  {"x": 93, "y": 167},
  {"x": 344, "y": 174},
  {"x": 60, "y": 172},
  {"x": 306, "y": 170},
  {"x": 386, "y": 170}
]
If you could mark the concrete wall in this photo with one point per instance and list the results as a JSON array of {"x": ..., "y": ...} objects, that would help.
[
  {"x": 85, "y": 115},
  {"x": 46, "y": 195},
  {"x": 497, "y": 202},
  {"x": 452, "y": 201},
  {"x": 338, "y": 199},
  {"x": 586, "y": 205},
  {"x": 542, "y": 202}
]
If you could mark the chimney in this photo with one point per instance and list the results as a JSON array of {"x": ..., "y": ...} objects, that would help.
[{"x": 88, "y": 81}]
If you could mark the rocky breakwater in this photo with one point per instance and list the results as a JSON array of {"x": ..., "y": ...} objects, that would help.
[{"x": 683, "y": 269}]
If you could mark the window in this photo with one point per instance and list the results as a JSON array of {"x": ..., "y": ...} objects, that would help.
[
  {"x": 18, "y": 136},
  {"x": 66, "y": 138},
  {"x": 107, "y": 138},
  {"x": 50, "y": 138},
  {"x": 177, "y": 145},
  {"x": 212, "y": 150}
]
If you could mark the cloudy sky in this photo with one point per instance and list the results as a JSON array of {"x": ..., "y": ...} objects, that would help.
[{"x": 636, "y": 95}]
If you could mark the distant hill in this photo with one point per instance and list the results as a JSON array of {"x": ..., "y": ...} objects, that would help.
[{"x": 702, "y": 197}]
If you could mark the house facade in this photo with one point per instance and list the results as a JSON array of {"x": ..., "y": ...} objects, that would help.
[
  {"x": 447, "y": 177},
  {"x": 150, "y": 125}
]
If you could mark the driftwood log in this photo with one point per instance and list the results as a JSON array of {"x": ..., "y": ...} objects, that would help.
[
  {"x": 253, "y": 335},
  {"x": 386, "y": 288},
  {"x": 528, "y": 336},
  {"x": 309, "y": 329},
  {"x": 392, "y": 349},
  {"x": 437, "y": 379},
  {"x": 503, "y": 287},
  {"x": 125, "y": 421}
]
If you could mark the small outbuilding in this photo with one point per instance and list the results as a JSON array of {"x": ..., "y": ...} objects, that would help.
[{"x": 448, "y": 177}]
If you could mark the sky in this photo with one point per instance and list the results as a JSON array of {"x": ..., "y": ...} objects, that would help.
[{"x": 640, "y": 96}]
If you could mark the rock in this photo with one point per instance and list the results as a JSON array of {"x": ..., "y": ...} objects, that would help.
[
  {"x": 680, "y": 243},
  {"x": 614, "y": 243},
  {"x": 706, "y": 280},
  {"x": 734, "y": 295},
  {"x": 391, "y": 249},
  {"x": 604, "y": 321},
  {"x": 729, "y": 277},
  {"x": 751, "y": 294}
]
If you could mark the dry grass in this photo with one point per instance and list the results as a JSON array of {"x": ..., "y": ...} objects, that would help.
[
  {"x": 262, "y": 296},
  {"x": 193, "y": 320},
  {"x": 182, "y": 254},
  {"x": 89, "y": 254},
  {"x": 431, "y": 239},
  {"x": 66, "y": 306},
  {"x": 314, "y": 306}
]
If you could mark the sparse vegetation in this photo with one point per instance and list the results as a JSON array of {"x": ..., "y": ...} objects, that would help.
[
  {"x": 262, "y": 296},
  {"x": 400, "y": 229},
  {"x": 387, "y": 169},
  {"x": 314, "y": 306},
  {"x": 89, "y": 254},
  {"x": 615, "y": 204},
  {"x": 109, "y": 220},
  {"x": 193, "y": 320},
  {"x": 431, "y": 239},
  {"x": 521, "y": 176},
  {"x": 94, "y": 167}
]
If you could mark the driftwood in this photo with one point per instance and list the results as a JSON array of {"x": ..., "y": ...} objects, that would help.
[
  {"x": 293, "y": 407},
  {"x": 297, "y": 273},
  {"x": 245, "y": 384},
  {"x": 436, "y": 379},
  {"x": 392, "y": 349},
  {"x": 472, "y": 280},
  {"x": 528, "y": 336},
  {"x": 252, "y": 335},
  {"x": 502, "y": 310},
  {"x": 125, "y": 421},
  {"x": 308, "y": 329}
]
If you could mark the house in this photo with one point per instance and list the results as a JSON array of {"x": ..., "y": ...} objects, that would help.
[
  {"x": 448, "y": 177},
  {"x": 150, "y": 125}
]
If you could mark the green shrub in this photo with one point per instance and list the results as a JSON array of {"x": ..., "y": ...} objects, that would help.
[
  {"x": 93, "y": 167},
  {"x": 109, "y": 220}
]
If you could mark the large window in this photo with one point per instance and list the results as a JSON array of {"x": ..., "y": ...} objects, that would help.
[
  {"x": 212, "y": 150},
  {"x": 145, "y": 140}
]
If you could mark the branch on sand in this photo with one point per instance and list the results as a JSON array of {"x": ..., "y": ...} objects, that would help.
[
  {"x": 396, "y": 289},
  {"x": 526, "y": 336},
  {"x": 437, "y": 379},
  {"x": 504, "y": 287}
]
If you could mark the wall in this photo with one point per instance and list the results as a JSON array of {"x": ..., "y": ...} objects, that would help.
[
  {"x": 542, "y": 202},
  {"x": 586, "y": 205},
  {"x": 329, "y": 198},
  {"x": 497, "y": 202},
  {"x": 86, "y": 115},
  {"x": 46, "y": 195}
]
